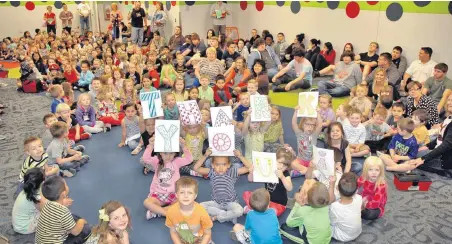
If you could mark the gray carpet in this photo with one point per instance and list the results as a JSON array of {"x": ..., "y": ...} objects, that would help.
[{"x": 411, "y": 217}]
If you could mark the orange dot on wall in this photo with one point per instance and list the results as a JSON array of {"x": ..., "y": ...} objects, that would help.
[
  {"x": 352, "y": 10},
  {"x": 259, "y": 5},
  {"x": 154, "y": 2},
  {"x": 243, "y": 5},
  {"x": 372, "y": 2},
  {"x": 30, "y": 6},
  {"x": 173, "y": 3}
]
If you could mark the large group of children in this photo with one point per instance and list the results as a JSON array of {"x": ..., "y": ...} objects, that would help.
[{"x": 110, "y": 75}]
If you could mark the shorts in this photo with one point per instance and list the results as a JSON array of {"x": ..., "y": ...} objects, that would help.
[
  {"x": 167, "y": 199},
  {"x": 303, "y": 162}
]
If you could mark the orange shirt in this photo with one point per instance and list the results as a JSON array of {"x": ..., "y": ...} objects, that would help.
[{"x": 198, "y": 221}]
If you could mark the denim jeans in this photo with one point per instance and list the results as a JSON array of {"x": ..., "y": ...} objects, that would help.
[
  {"x": 288, "y": 77},
  {"x": 191, "y": 80},
  {"x": 84, "y": 25},
  {"x": 137, "y": 35},
  {"x": 272, "y": 72},
  {"x": 334, "y": 89},
  {"x": 226, "y": 212},
  {"x": 356, "y": 168}
]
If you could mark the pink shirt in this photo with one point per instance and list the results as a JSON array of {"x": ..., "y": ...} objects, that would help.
[{"x": 164, "y": 180}]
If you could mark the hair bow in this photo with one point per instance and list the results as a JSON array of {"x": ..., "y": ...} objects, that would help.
[{"x": 103, "y": 216}]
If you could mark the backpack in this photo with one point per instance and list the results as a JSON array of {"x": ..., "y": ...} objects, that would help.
[{"x": 33, "y": 86}]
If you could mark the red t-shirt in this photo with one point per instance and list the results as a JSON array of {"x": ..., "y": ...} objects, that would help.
[
  {"x": 50, "y": 16},
  {"x": 329, "y": 57},
  {"x": 376, "y": 197},
  {"x": 72, "y": 77}
]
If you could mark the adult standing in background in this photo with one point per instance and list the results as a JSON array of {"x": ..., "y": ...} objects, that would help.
[
  {"x": 137, "y": 17},
  {"x": 218, "y": 12},
  {"x": 115, "y": 19},
  {"x": 158, "y": 19},
  {"x": 66, "y": 17},
  {"x": 84, "y": 11},
  {"x": 49, "y": 18}
]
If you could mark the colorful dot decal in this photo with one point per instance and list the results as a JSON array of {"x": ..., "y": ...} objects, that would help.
[
  {"x": 259, "y": 5},
  {"x": 243, "y": 5},
  {"x": 280, "y": 3},
  {"x": 78, "y": 2},
  {"x": 173, "y": 3},
  {"x": 190, "y": 3},
  {"x": 146, "y": 4},
  {"x": 30, "y": 6},
  {"x": 372, "y": 2},
  {"x": 421, "y": 3},
  {"x": 168, "y": 5},
  {"x": 394, "y": 11},
  {"x": 295, "y": 7},
  {"x": 3, "y": 1},
  {"x": 14, "y": 3},
  {"x": 332, "y": 4},
  {"x": 58, "y": 4},
  {"x": 450, "y": 7},
  {"x": 352, "y": 10}
]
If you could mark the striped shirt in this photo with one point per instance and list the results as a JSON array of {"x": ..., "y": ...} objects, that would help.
[
  {"x": 211, "y": 68},
  {"x": 54, "y": 224},
  {"x": 30, "y": 163},
  {"x": 354, "y": 135},
  {"x": 223, "y": 190}
]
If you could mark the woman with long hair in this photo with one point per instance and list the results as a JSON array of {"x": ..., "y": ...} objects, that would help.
[
  {"x": 159, "y": 18},
  {"x": 115, "y": 19},
  {"x": 325, "y": 58}
]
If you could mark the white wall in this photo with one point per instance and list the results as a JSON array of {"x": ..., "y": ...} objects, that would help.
[{"x": 411, "y": 32}]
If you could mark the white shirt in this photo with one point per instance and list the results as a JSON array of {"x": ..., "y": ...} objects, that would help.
[
  {"x": 346, "y": 219},
  {"x": 354, "y": 135},
  {"x": 84, "y": 9},
  {"x": 421, "y": 72}
]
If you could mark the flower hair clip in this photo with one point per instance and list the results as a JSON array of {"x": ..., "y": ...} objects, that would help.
[{"x": 103, "y": 216}]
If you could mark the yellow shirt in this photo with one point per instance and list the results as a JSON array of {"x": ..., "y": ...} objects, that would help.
[
  {"x": 195, "y": 143},
  {"x": 274, "y": 132},
  {"x": 421, "y": 135}
]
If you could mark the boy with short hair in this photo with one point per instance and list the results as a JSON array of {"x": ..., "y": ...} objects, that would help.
[
  {"x": 378, "y": 132},
  {"x": 261, "y": 225},
  {"x": 420, "y": 131},
  {"x": 76, "y": 132},
  {"x": 403, "y": 147},
  {"x": 341, "y": 112},
  {"x": 242, "y": 106},
  {"x": 86, "y": 77},
  {"x": 397, "y": 112},
  {"x": 355, "y": 132},
  {"x": 56, "y": 224},
  {"x": 252, "y": 87},
  {"x": 205, "y": 91},
  {"x": 345, "y": 213},
  {"x": 188, "y": 221},
  {"x": 221, "y": 91},
  {"x": 48, "y": 120},
  {"x": 57, "y": 93},
  {"x": 60, "y": 152}
]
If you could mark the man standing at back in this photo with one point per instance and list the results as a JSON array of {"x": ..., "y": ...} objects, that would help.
[
  {"x": 138, "y": 15},
  {"x": 84, "y": 10}
]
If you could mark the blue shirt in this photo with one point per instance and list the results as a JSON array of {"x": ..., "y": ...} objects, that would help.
[
  {"x": 86, "y": 78},
  {"x": 54, "y": 104},
  {"x": 264, "y": 227},
  {"x": 404, "y": 147},
  {"x": 240, "y": 110}
]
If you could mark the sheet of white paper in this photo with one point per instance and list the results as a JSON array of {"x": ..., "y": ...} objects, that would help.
[
  {"x": 221, "y": 116},
  {"x": 260, "y": 108},
  {"x": 222, "y": 140},
  {"x": 323, "y": 159},
  {"x": 151, "y": 104},
  {"x": 265, "y": 166},
  {"x": 307, "y": 101},
  {"x": 167, "y": 133},
  {"x": 189, "y": 112}
]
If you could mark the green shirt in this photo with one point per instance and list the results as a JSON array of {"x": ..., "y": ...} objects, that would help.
[
  {"x": 208, "y": 94},
  {"x": 315, "y": 220}
]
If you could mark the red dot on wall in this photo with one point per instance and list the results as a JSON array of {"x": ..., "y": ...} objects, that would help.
[
  {"x": 243, "y": 5},
  {"x": 126, "y": 2},
  {"x": 259, "y": 5},
  {"x": 372, "y": 2},
  {"x": 30, "y": 6},
  {"x": 352, "y": 10},
  {"x": 173, "y": 3}
]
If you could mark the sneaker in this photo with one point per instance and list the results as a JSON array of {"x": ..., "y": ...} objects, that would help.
[
  {"x": 75, "y": 87},
  {"x": 315, "y": 74},
  {"x": 82, "y": 89},
  {"x": 246, "y": 210},
  {"x": 85, "y": 136},
  {"x": 194, "y": 173},
  {"x": 314, "y": 89},
  {"x": 279, "y": 89},
  {"x": 136, "y": 150},
  {"x": 151, "y": 215},
  {"x": 68, "y": 173},
  {"x": 107, "y": 128},
  {"x": 84, "y": 160},
  {"x": 79, "y": 148}
]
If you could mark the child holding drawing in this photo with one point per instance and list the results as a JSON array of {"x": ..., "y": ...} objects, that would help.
[{"x": 253, "y": 135}]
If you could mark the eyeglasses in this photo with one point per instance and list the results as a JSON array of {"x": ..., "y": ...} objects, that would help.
[
  {"x": 414, "y": 89},
  {"x": 311, "y": 125}
]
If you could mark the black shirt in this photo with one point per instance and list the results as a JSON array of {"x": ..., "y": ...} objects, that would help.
[
  {"x": 137, "y": 17},
  {"x": 229, "y": 58},
  {"x": 124, "y": 32},
  {"x": 278, "y": 193},
  {"x": 145, "y": 136},
  {"x": 365, "y": 57}
]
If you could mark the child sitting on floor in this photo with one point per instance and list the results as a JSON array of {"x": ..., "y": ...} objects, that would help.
[
  {"x": 241, "y": 107},
  {"x": 162, "y": 192},
  {"x": 253, "y": 135},
  {"x": 374, "y": 192},
  {"x": 69, "y": 95},
  {"x": 341, "y": 113},
  {"x": 361, "y": 101},
  {"x": 274, "y": 136},
  {"x": 194, "y": 136},
  {"x": 403, "y": 147},
  {"x": 224, "y": 206},
  {"x": 46, "y": 137},
  {"x": 57, "y": 94},
  {"x": 86, "y": 77},
  {"x": 76, "y": 132},
  {"x": 170, "y": 110},
  {"x": 221, "y": 91},
  {"x": 128, "y": 93},
  {"x": 131, "y": 135},
  {"x": 420, "y": 132},
  {"x": 107, "y": 110},
  {"x": 345, "y": 213},
  {"x": 355, "y": 133},
  {"x": 179, "y": 90},
  {"x": 326, "y": 110},
  {"x": 147, "y": 130},
  {"x": 205, "y": 91},
  {"x": 261, "y": 225},
  {"x": 397, "y": 112},
  {"x": 61, "y": 154},
  {"x": 278, "y": 191},
  {"x": 187, "y": 220},
  {"x": 379, "y": 133},
  {"x": 86, "y": 116}
]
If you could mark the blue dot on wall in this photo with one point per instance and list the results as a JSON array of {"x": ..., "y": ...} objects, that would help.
[
  {"x": 146, "y": 4},
  {"x": 190, "y": 3},
  {"x": 450, "y": 7},
  {"x": 295, "y": 7},
  {"x": 394, "y": 11},
  {"x": 77, "y": 2},
  {"x": 14, "y": 3},
  {"x": 421, "y": 3},
  {"x": 3, "y": 1},
  {"x": 58, "y": 4},
  {"x": 280, "y": 3},
  {"x": 168, "y": 5},
  {"x": 332, "y": 4}
]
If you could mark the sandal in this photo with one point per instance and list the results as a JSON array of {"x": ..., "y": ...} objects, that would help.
[{"x": 136, "y": 150}]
